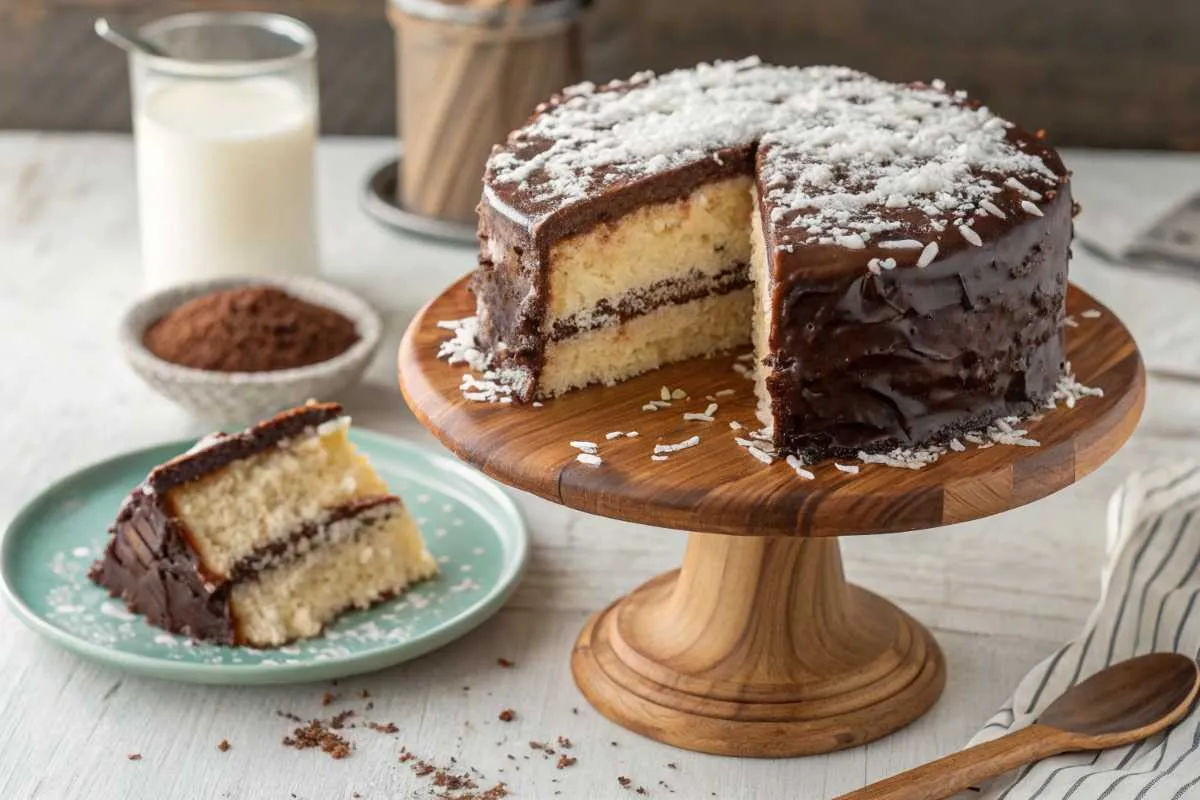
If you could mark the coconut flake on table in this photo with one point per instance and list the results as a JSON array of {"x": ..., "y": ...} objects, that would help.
[
  {"x": 1091, "y": 313},
  {"x": 798, "y": 467},
  {"x": 760, "y": 454},
  {"x": 674, "y": 448},
  {"x": 587, "y": 447},
  {"x": 589, "y": 458}
]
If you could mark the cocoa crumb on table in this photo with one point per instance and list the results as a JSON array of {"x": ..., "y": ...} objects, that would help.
[
  {"x": 389, "y": 727},
  {"x": 565, "y": 761},
  {"x": 339, "y": 720},
  {"x": 289, "y": 716},
  {"x": 135, "y": 756},
  {"x": 624, "y": 781},
  {"x": 564, "y": 742},
  {"x": 507, "y": 715},
  {"x": 328, "y": 698},
  {"x": 364, "y": 694},
  {"x": 641, "y": 790},
  {"x": 316, "y": 735},
  {"x": 672, "y": 765},
  {"x": 223, "y": 745},
  {"x": 504, "y": 662},
  {"x": 370, "y": 705}
]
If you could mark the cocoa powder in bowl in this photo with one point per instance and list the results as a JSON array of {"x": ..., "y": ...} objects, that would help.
[{"x": 251, "y": 329}]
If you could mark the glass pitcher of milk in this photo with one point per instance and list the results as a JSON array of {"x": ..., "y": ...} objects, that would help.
[{"x": 225, "y": 127}]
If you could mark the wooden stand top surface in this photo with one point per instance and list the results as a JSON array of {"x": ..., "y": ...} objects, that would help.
[{"x": 717, "y": 486}]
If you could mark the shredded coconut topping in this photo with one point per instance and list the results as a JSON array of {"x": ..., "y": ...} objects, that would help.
[{"x": 843, "y": 155}]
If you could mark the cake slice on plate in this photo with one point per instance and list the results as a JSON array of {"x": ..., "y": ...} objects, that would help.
[{"x": 262, "y": 537}]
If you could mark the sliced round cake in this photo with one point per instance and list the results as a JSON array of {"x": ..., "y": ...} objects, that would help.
[{"x": 897, "y": 254}]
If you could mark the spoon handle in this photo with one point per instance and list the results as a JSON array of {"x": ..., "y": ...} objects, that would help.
[{"x": 964, "y": 769}]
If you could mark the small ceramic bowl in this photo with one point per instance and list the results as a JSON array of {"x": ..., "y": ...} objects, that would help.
[{"x": 241, "y": 397}]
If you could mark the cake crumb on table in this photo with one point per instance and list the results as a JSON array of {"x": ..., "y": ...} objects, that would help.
[
  {"x": 134, "y": 756},
  {"x": 223, "y": 745},
  {"x": 328, "y": 698},
  {"x": 316, "y": 735},
  {"x": 504, "y": 662},
  {"x": 507, "y": 715}
]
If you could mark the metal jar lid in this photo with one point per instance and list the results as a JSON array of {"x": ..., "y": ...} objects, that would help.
[{"x": 463, "y": 14}]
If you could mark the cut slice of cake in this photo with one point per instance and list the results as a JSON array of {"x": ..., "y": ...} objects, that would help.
[{"x": 262, "y": 537}]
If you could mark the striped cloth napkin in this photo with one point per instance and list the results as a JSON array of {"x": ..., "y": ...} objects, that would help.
[{"x": 1148, "y": 603}]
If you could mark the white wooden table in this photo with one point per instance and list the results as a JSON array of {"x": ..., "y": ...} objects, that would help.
[{"x": 999, "y": 593}]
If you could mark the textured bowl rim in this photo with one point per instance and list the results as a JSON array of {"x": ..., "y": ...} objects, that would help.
[{"x": 150, "y": 308}]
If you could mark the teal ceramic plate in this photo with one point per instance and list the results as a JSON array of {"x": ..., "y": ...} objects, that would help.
[{"x": 471, "y": 527}]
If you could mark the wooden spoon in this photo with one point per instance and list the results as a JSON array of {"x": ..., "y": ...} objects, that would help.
[{"x": 1117, "y": 706}]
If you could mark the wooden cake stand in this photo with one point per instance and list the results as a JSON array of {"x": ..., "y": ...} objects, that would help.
[{"x": 758, "y": 646}]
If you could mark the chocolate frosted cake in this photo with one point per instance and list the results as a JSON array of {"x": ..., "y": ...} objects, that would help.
[
  {"x": 897, "y": 254},
  {"x": 262, "y": 537}
]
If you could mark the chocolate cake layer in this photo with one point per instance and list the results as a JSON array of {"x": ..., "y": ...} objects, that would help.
[{"x": 152, "y": 566}]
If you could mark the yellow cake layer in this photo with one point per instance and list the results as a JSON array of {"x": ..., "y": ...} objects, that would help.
[
  {"x": 298, "y": 599},
  {"x": 703, "y": 232},
  {"x": 760, "y": 274},
  {"x": 669, "y": 333},
  {"x": 259, "y": 499}
]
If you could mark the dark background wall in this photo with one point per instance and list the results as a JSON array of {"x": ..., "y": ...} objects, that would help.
[{"x": 1112, "y": 73}]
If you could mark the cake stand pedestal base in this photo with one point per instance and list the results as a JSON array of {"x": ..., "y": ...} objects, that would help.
[{"x": 758, "y": 647}]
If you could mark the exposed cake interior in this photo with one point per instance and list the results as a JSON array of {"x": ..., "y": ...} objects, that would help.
[
  {"x": 669, "y": 333},
  {"x": 349, "y": 563},
  {"x": 762, "y": 316},
  {"x": 664, "y": 283},
  {"x": 262, "y": 536},
  {"x": 260, "y": 499}
]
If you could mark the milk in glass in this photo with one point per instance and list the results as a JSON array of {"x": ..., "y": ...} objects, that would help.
[{"x": 225, "y": 150}]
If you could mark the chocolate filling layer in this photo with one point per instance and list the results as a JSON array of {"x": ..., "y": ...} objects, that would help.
[
  {"x": 318, "y": 533},
  {"x": 667, "y": 292}
]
